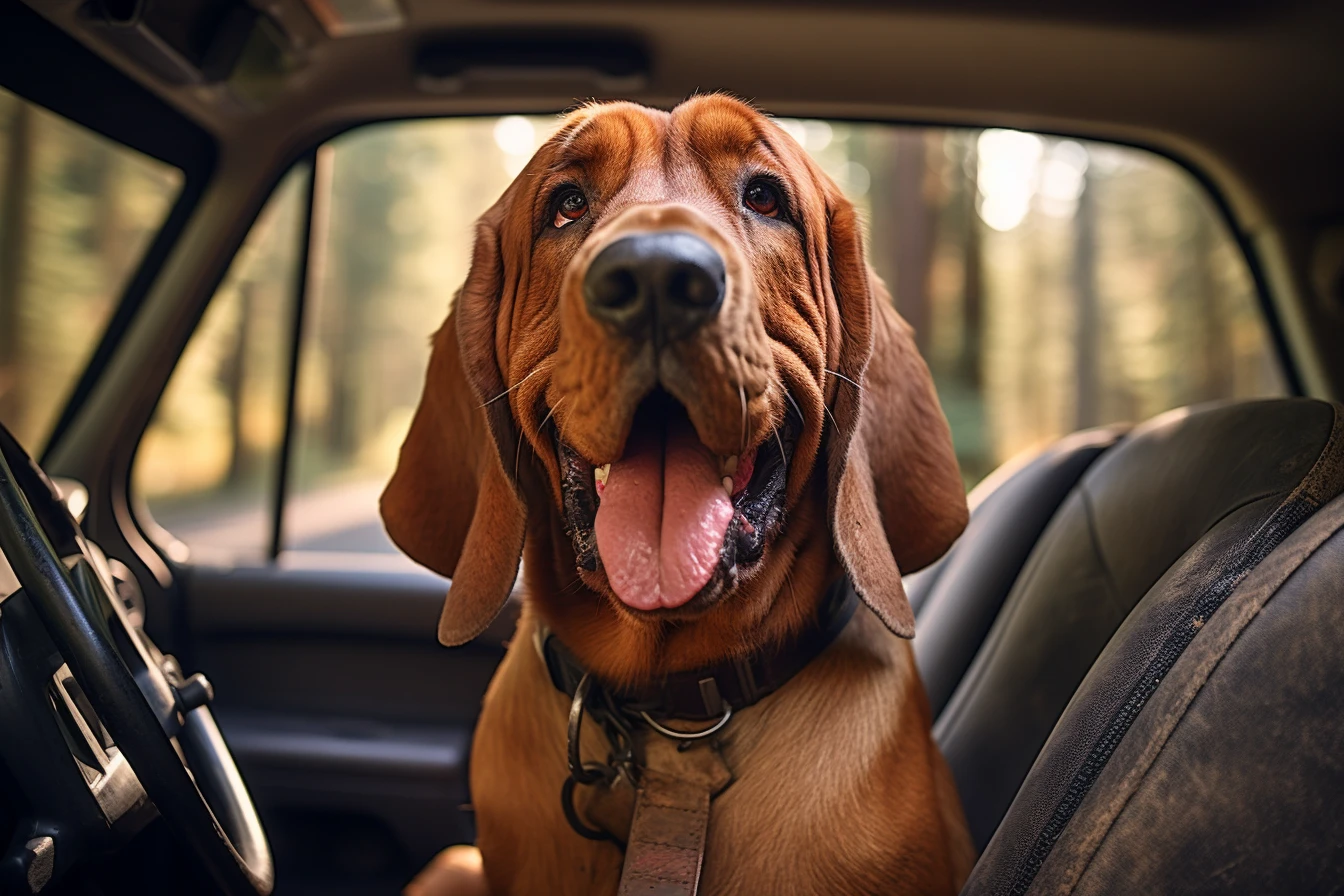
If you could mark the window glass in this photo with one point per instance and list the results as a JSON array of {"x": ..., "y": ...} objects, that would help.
[
  {"x": 207, "y": 465},
  {"x": 404, "y": 200},
  {"x": 1053, "y": 284},
  {"x": 77, "y": 213}
]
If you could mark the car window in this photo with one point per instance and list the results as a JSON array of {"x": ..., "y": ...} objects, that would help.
[
  {"x": 77, "y": 213},
  {"x": 207, "y": 466},
  {"x": 404, "y": 201},
  {"x": 1053, "y": 284}
]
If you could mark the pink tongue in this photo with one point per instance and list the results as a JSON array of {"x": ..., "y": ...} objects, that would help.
[{"x": 662, "y": 517}]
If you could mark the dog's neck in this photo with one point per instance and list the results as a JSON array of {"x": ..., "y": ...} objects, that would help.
[{"x": 710, "y": 692}]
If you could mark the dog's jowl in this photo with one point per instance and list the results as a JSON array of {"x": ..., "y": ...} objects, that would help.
[{"x": 672, "y": 389}]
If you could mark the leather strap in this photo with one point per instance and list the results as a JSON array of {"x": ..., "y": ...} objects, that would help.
[
  {"x": 705, "y": 694},
  {"x": 666, "y": 849}
]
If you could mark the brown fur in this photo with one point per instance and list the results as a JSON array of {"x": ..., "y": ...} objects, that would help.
[{"x": 838, "y": 786}]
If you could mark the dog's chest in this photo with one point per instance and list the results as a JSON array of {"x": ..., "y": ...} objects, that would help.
[
  {"x": 831, "y": 786},
  {"x": 820, "y": 777}
]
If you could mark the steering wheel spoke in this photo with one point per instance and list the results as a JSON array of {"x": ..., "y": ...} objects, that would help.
[{"x": 141, "y": 658}]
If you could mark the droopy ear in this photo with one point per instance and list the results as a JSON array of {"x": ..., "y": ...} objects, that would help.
[
  {"x": 450, "y": 505},
  {"x": 897, "y": 499}
]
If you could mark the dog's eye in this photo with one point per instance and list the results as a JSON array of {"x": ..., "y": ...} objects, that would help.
[
  {"x": 762, "y": 197},
  {"x": 572, "y": 206}
]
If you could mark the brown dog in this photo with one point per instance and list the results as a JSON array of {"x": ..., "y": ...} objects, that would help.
[{"x": 683, "y": 296}]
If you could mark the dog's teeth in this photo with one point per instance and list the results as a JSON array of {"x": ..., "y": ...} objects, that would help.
[
  {"x": 730, "y": 466},
  {"x": 728, "y": 485},
  {"x": 600, "y": 473}
]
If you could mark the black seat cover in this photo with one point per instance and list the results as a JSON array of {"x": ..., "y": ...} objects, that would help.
[
  {"x": 1180, "y": 510},
  {"x": 1231, "y": 779},
  {"x": 956, "y": 599}
]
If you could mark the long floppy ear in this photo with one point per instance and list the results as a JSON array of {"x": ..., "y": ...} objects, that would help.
[
  {"x": 897, "y": 499},
  {"x": 451, "y": 505}
]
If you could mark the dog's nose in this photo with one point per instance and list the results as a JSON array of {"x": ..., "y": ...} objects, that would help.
[{"x": 660, "y": 286}]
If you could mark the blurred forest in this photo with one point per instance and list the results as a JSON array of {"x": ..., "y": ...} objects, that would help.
[
  {"x": 1053, "y": 284},
  {"x": 76, "y": 215}
]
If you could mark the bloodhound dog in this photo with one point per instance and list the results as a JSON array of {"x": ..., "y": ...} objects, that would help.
[{"x": 675, "y": 391}]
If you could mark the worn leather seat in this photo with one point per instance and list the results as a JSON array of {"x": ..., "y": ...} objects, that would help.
[{"x": 1133, "y": 659}]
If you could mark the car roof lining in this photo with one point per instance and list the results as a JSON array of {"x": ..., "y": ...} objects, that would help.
[
  {"x": 1225, "y": 85},
  {"x": 45, "y": 66}
]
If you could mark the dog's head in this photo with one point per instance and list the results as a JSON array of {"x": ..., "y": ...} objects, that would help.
[{"x": 672, "y": 374}]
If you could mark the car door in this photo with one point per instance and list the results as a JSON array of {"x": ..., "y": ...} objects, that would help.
[{"x": 258, "y": 478}]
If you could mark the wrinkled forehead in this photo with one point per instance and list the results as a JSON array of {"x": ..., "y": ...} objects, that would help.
[{"x": 623, "y": 148}]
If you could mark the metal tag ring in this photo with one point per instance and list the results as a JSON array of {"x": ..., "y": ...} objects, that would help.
[
  {"x": 581, "y": 772},
  {"x": 577, "y": 823},
  {"x": 689, "y": 735}
]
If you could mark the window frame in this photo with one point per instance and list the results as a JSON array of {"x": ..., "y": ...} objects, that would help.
[
  {"x": 143, "y": 518},
  {"x": 314, "y": 215}
]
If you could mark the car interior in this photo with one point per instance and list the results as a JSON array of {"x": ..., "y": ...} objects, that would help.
[{"x": 1130, "y": 654}]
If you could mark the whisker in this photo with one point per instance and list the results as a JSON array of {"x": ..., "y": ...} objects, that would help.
[
  {"x": 797, "y": 410},
  {"x": 511, "y": 388},
  {"x": 845, "y": 378},
  {"x": 832, "y": 416},
  {"x": 742, "y": 394},
  {"x": 517, "y": 454},
  {"x": 779, "y": 442},
  {"x": 549, "y": 414}
]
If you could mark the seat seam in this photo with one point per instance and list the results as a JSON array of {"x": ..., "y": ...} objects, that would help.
[
  {"x": 1328, "y": 469},
  {"x": 935, "y": 589},
  {"x": 1108, "y": 577},
  {"x": 994, "y": 643},
  {"x": 1028, "y": 569}
]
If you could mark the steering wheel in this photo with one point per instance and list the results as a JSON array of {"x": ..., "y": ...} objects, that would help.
[{"x": 155, "y": 718}]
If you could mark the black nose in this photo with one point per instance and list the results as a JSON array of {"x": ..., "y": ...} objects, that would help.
[{"x": 658, "y": 286}]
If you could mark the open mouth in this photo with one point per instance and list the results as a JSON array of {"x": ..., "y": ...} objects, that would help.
[{"x": 671, "y": 523}]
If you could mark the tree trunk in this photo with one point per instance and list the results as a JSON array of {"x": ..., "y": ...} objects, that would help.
[
  {"x": 1218, "y": 368},
  {"x": 233, "y": 376},
  {"x": 1087, "y": 406},
  {"x": 912, "y": 240},
  {"x": 14, "y": 232},
  {"x": 107, "y": 181},
  {"x": 971, "y": 363}
]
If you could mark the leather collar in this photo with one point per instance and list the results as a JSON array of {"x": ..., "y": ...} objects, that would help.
[{"x": 706, "y": 694}]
